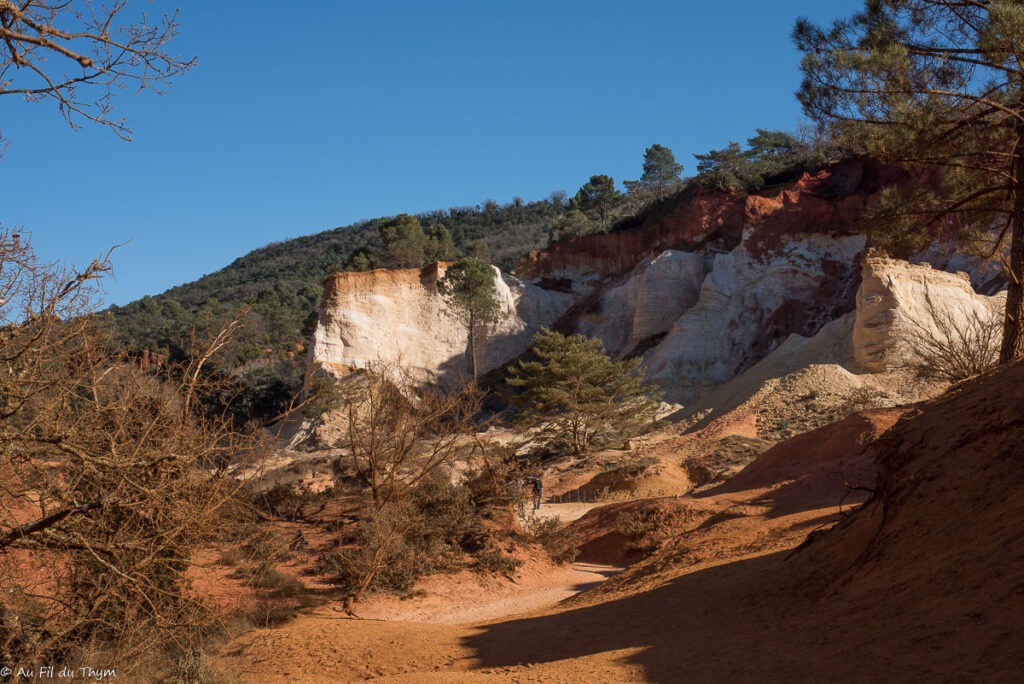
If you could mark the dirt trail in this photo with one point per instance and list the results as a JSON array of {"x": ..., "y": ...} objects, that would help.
[
  {"x": 921, "y": 585},
  {"x": 470, "y": 598},
  {"x": 650, "y": 623},
  {"x": 566, "y": 512}
]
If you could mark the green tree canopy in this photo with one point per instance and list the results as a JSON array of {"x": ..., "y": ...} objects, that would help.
[
  {"x": 574, "y": 393},
  {"x": 468, "y": 285},
  {"x": 935, "y": 85},
  {"x": 405, "y": 243},
  {"x": 661, "y": 173},
  {"x": 441, "y": 247},
  {"x": 597, "y": 198},
  {"x": 768, "y": 155}
]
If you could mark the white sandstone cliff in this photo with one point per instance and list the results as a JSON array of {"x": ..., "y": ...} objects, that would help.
[
  {"x": 746, "y": 305},
  {"x": 898, "y": 302},
  {"x": 398, "y": 317},
  {"x": 646, "y": 303}
]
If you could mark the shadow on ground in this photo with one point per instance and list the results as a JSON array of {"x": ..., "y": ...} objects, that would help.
[{"x": 724, "y": 623}]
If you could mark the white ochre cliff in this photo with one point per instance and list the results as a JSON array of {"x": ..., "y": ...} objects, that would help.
[
  {"x": 899, "y": 302},
  {"x": 709, "y": 291},
  {"x": 398, "y": 317}
]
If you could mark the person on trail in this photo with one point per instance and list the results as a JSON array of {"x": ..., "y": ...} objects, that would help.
[{"x": 538, "y": 491}]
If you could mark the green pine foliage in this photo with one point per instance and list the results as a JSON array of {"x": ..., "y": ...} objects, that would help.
[
  {"x": 661, "y": 174},
  {"x": 575, "y": 396},
  {"x": 933, "y": 85},
  {"x": 468, "y": 285},
  {"x": 770, "y": 157}
]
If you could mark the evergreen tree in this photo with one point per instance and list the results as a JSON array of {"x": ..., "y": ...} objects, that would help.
[
  {"x": 468, "y": 285},
  {"x": 661, "y": 174},
  {"x": 573, "y": 222},
  {"x": 575, "y": 393},
  {"x": 769, "y": 154},
  {"x": 442, "y": 248},
  {"x": 405, "y": 243},
  {"x": 935, "y": 85},
  {"x": 597, "y": 198},
  {"x": 724, "y": 169}
]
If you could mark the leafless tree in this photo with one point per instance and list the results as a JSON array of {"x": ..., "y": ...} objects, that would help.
[
  {"x": 397, "y": 436},
  {"x": 398, "y": 433},
  {"x": 107, "y": 484},
  {"x": 78, "y": 53}
]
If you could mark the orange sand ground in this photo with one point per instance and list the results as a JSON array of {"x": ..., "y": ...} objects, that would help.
[{"x": 923, "y": 584}]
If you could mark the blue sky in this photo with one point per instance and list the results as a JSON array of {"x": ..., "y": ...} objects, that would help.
[{"x": 302, "y": 117}]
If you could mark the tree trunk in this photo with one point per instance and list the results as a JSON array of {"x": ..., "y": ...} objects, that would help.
[
  {"x": 1013, "y": 341},
  {"x": 472, "y": 343}
]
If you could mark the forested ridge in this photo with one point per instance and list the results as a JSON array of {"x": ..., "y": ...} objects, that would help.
[
  {"x": 277, "y": 288},
  {"x": 282, "y": 281}
]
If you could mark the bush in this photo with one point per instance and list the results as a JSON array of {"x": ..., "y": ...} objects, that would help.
[
  {"x": 955, "y": 347},
  {"x": 558, "y": 542},
  {"x": 632, "y": 468},
  {"x": 493, "y": 560},
  {"x": 643, "y": 529}
]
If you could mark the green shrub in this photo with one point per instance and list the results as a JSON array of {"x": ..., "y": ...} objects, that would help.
[
  {"x": 559, "y": 542},
  {"x": 493, "y": 560}
]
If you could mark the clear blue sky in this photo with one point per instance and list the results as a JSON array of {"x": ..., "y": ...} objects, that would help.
[{"x": 302, "y": 117}]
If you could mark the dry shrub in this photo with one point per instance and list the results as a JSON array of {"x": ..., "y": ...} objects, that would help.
[
  {"x": 110, "y": 478},
  {"x": 403, "y": 442},
  {"x": 493, "y": 560},
  {"x": 956, "y": 347},
  {"x": 644, "y": 529},
  {"x": 557, "y": 541}
]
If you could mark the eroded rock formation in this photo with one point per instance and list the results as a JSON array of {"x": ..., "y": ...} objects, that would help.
[
  {"x": 398, "y": 316},
  {"x": 709, "y": 288},
  {"x": 899, "y": 302}
]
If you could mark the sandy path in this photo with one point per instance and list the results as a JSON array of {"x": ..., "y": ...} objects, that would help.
[
  {"x": 475, "y": 598},
  {"x": 566, "y": 512}
]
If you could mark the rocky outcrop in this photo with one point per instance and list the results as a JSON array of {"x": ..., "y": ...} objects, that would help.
[
  {"x": 749, "y": 304},
  {"x": 709, "y": 287},
  {"x": 698, "y": 219},
  {"x": 899, "y": 302},
  {"x": 398, "y": 316},
  {"x": 829, "y": 201},
  {"x": 646, "y": 304}
]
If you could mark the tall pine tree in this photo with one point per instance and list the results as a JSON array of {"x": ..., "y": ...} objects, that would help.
[
  {"x": 468, "y": 285},
  {"x": 938, "y": 86},
  {"x": 574, "y": 392}
]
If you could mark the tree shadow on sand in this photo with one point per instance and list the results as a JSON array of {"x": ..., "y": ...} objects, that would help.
[{"x": 736, "y": 622}]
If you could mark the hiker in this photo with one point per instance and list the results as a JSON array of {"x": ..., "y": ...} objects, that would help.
[{"x": 538, "y": 491}]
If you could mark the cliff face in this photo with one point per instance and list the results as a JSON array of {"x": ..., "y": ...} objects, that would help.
[
  {"x": 828, "y": 202},
  {"x": 708, "y": 288},
  {"x": 399, "y": 317},
  {"x": 700, "y": 219},
  {"x": 749, "y": 304},
  {"x": 899, "y": 302}
]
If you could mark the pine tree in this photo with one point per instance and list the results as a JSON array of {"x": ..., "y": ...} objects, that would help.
[
  {"x": 661, "y": 174},
  {"x": 938, "y": 86},
  {"x": 405, "y": 243},
  {"x": 468, "y": 285},
  {"x": 575, "y": 393},
  {"x": 597, "y": 198}
]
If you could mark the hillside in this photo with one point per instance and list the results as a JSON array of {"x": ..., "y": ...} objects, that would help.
[{"x": 282, "y": 281}]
